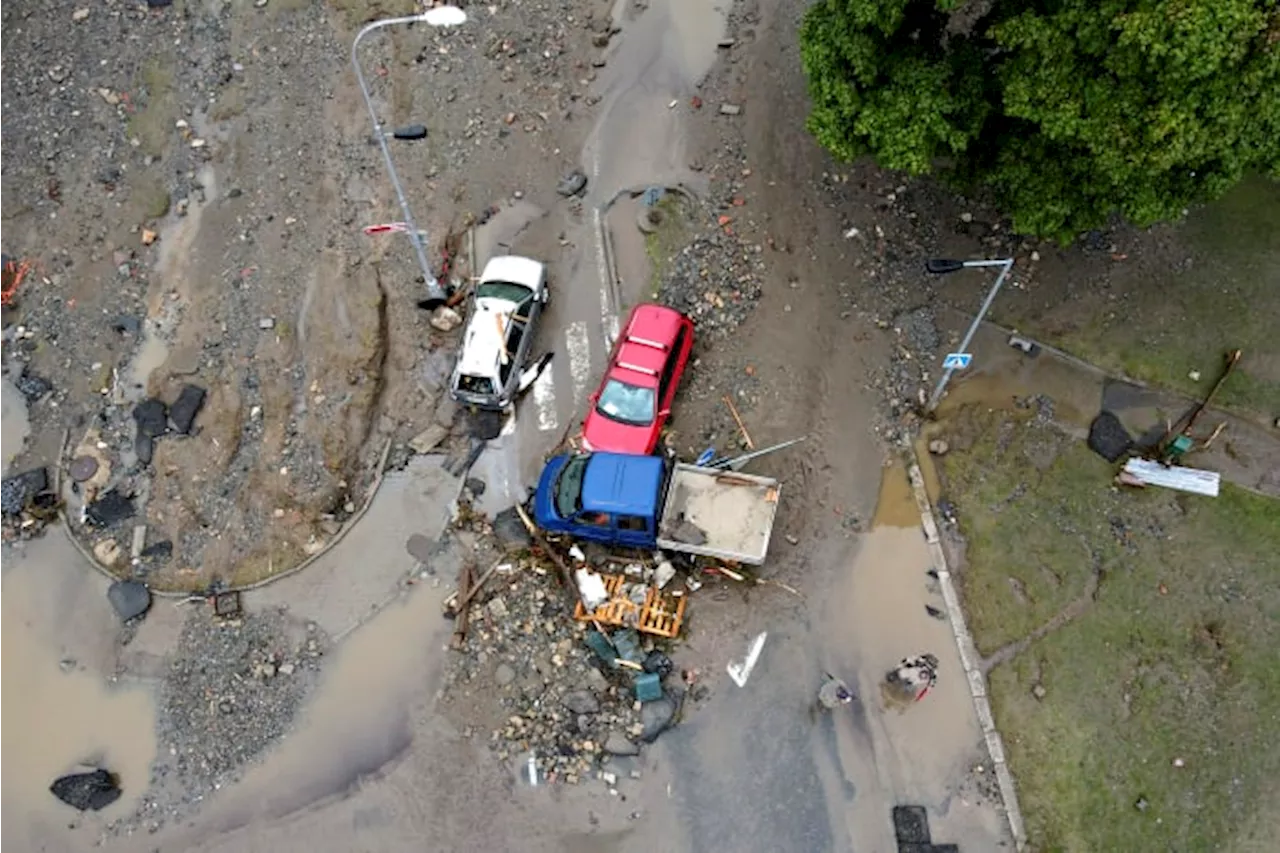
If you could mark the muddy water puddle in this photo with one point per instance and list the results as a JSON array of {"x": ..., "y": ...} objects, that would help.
[
  {"x": 59, "y": 709},
  {"x": 923, "y": 751},
  {"x": 15, "y": 421},
  {"x": 359, "y": 722}
]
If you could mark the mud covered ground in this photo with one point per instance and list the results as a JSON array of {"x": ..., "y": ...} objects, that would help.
[{"x": 189, "y": 184}]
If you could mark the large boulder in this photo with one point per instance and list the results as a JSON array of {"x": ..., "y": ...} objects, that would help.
[
  {"x": 1108, "y": 438},
  {"x": 87, "y": 791},
  {"x": 130, "y": 599}
]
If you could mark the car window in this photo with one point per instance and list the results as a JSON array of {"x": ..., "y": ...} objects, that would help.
[
  {"x": 503, "y": 290},
  {"x": 595, "y": 519},
  {"x": 475, "y": 384},
  {"x": 568, "y": 492},
  {"x": 626, "y": 403},
  {"x": 632, "y": 522}
]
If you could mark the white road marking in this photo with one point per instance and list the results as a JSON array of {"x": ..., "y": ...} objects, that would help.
[
  {"x": 579, "y": 346},
  {"x": 602, "y": 269},
  {"x": 544, "y": 397}
]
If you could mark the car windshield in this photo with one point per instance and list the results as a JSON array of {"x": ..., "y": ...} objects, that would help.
[
  {"x": 475, "y": 384},
  {"x": 628, "y": 404},
  {"x": 504, "y": 290},
  {"x": 569, "y": 486}
]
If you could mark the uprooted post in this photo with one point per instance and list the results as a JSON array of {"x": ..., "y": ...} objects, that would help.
[{"x": 566, "y": 576}]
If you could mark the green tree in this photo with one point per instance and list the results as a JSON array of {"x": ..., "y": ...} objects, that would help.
[{"x": 1069, "y": 111}]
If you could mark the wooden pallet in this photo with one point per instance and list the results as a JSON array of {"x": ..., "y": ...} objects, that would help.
[{"x": 660, "y": 614}]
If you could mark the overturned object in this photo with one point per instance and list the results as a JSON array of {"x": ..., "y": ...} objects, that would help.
[
  {"x": 87, "y": 791},
  {"x": 1108, "y": 438},
  {"x": 1144, "y": 472}
]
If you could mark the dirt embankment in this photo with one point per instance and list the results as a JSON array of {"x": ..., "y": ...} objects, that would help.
[{"x": 190, "y": 184}]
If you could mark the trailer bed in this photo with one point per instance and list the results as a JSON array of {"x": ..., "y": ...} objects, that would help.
[{"x": 717, "y": 513}]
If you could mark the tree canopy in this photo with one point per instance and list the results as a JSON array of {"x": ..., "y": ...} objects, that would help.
[{"x": 1070, "y": 111}]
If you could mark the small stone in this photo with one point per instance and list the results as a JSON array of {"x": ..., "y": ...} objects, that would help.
[
  {"x": 1194, "y": 376},
  {"x": 109, "y": 96},
  {"x": 1035, "y": 256},
  {"x": 198, "y": 143},
  {"x": 966, "y": 217},
  {"x": 497, "y": 607},
  {"x": 79, "y": 15},
  {"x": 286, "y": 669},
  {"x": 938, "y": 447},
  {"x": 130, "y": 599},
  {"x": 1039, "y": 691},
  {"x": 581, "y": 702},
  {"x": 267, "y": 323},
  {"x": 730, "y": 109},
  {"x": 504, "y": 675},
  {"x": 107, "y": 552},
  {"x": 619, "y": 744},
  {"x": 149, "y": 236},
  {"x": 445, "y": 319}
]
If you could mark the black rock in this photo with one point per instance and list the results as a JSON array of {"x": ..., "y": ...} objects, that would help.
[
  {"x": 659, "y": 663},
  {"x": 656, "y": 717},
  {"x": 127, "y": 324},
  {"x": 161, "y": 550},
  {"x": 151, "y": 417},
  {"x": 144, "y": 446},
  {"x": 184, "y": 410},
  {"x": 110, "y": 508},
  {"x": 131, "y": 599},
  {"x": 1108, "y": 438},
  {"x": 86, "y": 791},
  {"x": 476, "y": 486},
  {"x": 510, "y": 530},
  {"x": 581, "y": 702},
  {"x": 159, "y": 4},
  {"x": 33, "y": 387},
  {"x": 15, "y": 491}
]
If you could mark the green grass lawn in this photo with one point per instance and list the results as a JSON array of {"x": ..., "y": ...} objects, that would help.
[
  {"x": 1178, "y": 320},
  {"x": 1176, "y": 657}
]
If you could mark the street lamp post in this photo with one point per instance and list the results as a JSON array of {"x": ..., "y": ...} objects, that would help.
[
  {"x": 942, "y": 266},
  {"x": 440, "y": 16}
]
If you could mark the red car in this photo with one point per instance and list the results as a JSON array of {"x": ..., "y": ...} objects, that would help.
[{"x": 634, "y": 400}]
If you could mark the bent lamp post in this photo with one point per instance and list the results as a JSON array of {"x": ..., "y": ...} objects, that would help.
[
  {"x": 942, "y": 266},
  {"x": 440, "y": 16}
]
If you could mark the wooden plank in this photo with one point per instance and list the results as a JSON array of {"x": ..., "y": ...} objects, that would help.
[{"x": 462, "y": 620}]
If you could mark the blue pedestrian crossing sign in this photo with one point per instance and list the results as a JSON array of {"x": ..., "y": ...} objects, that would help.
[{"x": 957, "y": 360}]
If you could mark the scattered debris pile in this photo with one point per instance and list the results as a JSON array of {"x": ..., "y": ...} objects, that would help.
[
  {"x": 715, "y": 280},
  {"x": 28, "y": 502},
  {"x": 231, "y": 690},
  {"x": 574, "y": 688}
]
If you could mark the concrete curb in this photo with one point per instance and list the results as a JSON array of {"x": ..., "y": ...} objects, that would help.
[{"x": 969, "y": 658}]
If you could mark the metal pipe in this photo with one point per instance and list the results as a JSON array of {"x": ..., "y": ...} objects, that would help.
[
  {"x": 435, "y": 293},
  {"x": 1005, "y": 264}
]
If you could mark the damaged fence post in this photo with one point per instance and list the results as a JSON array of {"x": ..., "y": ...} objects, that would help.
[{"x": 440, "y": 16}]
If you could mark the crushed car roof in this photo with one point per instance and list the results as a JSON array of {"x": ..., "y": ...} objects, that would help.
[{"x": 485, "y": 337}]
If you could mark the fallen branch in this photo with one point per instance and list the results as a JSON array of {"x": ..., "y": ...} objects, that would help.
[
  {"x": 476, "y": 587},
  {"x": 566, "y": 576},
  {"x": 733, "y": 410},
  {"x": 463, "y": 618}
]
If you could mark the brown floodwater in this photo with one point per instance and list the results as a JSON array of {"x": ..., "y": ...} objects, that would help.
[{"x": 60, "y": 708}]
